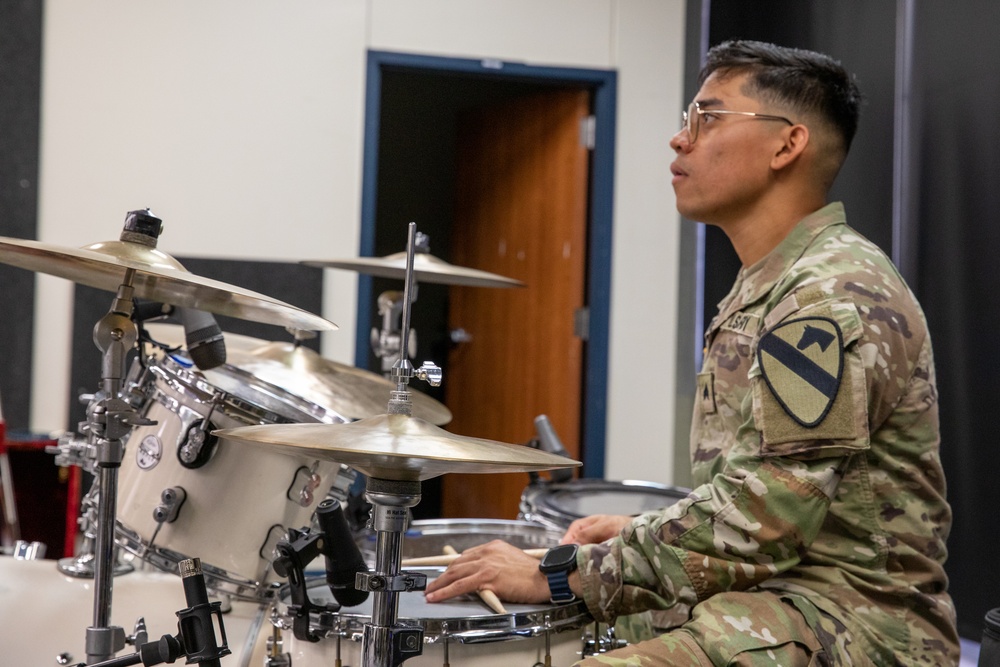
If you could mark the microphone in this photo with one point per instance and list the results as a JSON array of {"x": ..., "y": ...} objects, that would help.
[
  {"x": 343, "y": 558},
  {"x": 197, "y": 632},
  {"x": 151, "y": 310},
  {"x": 203, "y": 336},
  {"x": 549, "y": 442}
]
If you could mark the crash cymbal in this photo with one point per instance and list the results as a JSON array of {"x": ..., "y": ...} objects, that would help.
[
  {"x": 158, "y": 277},
  {"x": 426, "y": 269},
  {"x": 351, "y": 392},
  {"x": 396, "y": 447}
]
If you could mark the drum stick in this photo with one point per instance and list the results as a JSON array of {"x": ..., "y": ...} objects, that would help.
[
  {"x": 446, "y": 559},
  {"x": 489, "y": 597}
]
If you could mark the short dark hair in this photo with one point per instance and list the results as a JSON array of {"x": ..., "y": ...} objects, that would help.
[{"x": 806, "y": 81}]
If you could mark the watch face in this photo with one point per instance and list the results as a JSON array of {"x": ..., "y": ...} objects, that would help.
[{"x": 562, "y": 557}]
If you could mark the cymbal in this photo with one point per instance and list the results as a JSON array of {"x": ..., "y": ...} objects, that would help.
[
  {"x": 158, "y": 277},
  {"x": 353, "y": 393},
  {"x": 396, "y": 447},
  {"x": 426, "y": 269}
]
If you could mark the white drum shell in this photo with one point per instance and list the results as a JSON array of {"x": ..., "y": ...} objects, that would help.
[{"x": 237, "y": 504}]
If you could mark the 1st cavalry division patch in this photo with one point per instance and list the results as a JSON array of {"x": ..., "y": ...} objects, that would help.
[{"x": 802, "y": 362}]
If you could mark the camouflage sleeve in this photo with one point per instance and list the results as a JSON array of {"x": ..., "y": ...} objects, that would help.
[
  {"x": 751, "y": 523},
  {"x": 770, "y": 496}
]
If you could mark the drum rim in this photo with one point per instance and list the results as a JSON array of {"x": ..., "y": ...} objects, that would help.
[
  {"x": 305, "y": 406},
  {"x": 193, "y": 383},
  {"x": 426, "y": 524},
  {"x": 537, "y": 500},
  {"x": 216, "y": 578}
]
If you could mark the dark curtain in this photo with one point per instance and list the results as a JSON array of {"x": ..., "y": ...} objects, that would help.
[
  {"x": 948, "y": 237},
  {"x": 20, "y": 91},
  {"x": 953, "y": 172}
]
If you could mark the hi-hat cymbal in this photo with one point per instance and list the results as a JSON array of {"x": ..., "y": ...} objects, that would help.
[
  {"x": 426, "y": 269},
  {"x": 158, "y": 277},
  {"x": 396, "y": 447},
  {"x": 351, "y": 392}
]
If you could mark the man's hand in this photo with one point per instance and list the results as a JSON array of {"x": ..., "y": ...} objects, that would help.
[
  {"x": 594, "y": 529},
  {"x": 495, "y": 566}
]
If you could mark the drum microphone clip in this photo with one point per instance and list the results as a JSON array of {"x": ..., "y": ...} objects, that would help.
[
  {"x": 294, "y": 552},
  {"x": 343, "y": 564}
]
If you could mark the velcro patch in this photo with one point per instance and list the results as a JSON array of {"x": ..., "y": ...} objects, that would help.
[
  {"x": 802, "y": 362},
  {"x": 742, "y": 323},
  {"x": 706, "y": 392}
]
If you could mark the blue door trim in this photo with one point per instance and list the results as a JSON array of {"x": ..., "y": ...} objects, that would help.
[{"x": 603, "y": 85}]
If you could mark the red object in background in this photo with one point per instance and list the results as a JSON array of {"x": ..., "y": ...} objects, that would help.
[{"x": 47, "y": 496}]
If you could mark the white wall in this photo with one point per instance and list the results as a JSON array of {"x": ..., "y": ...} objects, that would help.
[{"x": 239, "y": 122}]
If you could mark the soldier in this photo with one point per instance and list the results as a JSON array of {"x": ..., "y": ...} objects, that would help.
[{"x": 817, "y": 532}]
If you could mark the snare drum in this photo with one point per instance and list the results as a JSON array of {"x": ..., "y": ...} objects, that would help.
[
  {"x": 558, "y": 505},
  {"x": 183, "y": 493},
  {"x": 461, "y": 631}
]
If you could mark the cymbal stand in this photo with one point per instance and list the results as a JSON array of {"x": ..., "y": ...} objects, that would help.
[
  {"x": 388, "y": 342},
  {"x": 384, "y": 642},
  {"x": 109, "y": 420},
  {"x": 399, "y": 400}
]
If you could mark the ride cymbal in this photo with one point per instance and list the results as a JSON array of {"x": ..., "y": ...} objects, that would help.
[
  {"x": 426, "y": 269},
  {"x": 396, "y": 447},
  {"x": 158, "y": 277}
]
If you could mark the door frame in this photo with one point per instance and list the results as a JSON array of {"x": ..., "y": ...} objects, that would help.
[{"x": 603, "y": 85}]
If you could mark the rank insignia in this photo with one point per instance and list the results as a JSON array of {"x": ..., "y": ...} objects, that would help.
[{"x": 802, "y": 362}]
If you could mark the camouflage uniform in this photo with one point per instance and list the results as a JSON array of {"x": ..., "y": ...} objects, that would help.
[{"x": 819, "y": 526}]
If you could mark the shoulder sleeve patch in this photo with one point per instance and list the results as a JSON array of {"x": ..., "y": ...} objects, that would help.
[{"x": 802, "y": 362}]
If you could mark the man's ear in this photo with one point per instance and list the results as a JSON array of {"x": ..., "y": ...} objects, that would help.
[{"x": 796, "y": 139}]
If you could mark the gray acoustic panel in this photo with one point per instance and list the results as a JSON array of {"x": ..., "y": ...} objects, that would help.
[{"x": 20, "y": 85}]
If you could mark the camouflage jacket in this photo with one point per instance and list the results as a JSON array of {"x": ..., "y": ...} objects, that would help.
[{"x": 815, "y": 447}]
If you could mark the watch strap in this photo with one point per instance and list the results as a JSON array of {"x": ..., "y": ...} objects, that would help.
[{"x": 559, "y": 586}]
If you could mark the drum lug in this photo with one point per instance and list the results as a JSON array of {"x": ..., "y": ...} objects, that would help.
[
  {"x": 275, "y": 657},
  {"x": 602, "y": 642},
  {"x": 198, "y": 445},
  {"x": 309, "y": 480}
]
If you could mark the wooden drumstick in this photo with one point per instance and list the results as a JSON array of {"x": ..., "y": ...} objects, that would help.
[
  {"x": 446, "y": 559},
  {"x": 489, "y": 597}
]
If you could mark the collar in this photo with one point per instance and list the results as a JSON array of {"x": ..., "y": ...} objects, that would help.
[{"x": 756, "y": 280}]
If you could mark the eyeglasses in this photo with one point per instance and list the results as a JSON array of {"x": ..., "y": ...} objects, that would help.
[{"x": 692, "y": 118}]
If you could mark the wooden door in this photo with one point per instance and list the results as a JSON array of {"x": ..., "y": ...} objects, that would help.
[{"x": 521, "y": 211}]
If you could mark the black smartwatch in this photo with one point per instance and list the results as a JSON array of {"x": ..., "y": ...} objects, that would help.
[{"x": 556, "y": 565}]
